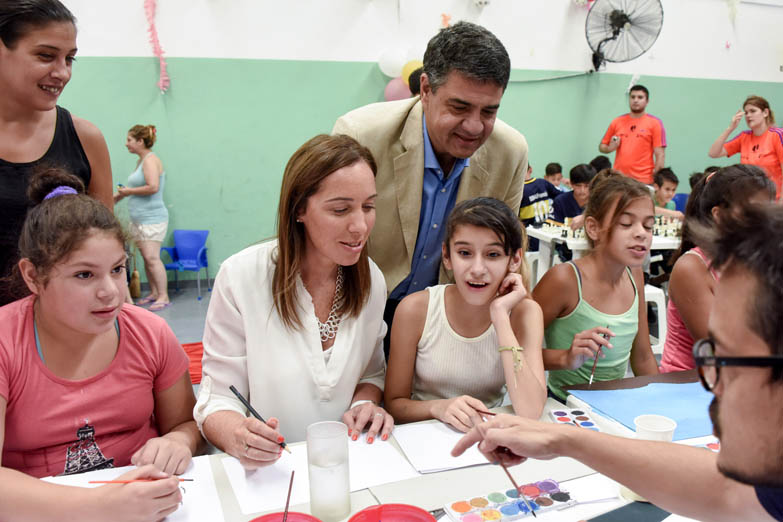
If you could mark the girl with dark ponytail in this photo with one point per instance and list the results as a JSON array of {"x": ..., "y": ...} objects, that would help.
[
  {"x": 112, "y": 377},
  {"x": 693, "y": 280}
]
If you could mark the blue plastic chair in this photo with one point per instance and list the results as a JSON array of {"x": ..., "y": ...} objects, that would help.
[
  {"x": 189, "y": 253},
  {"x": 680, "y": 200}
]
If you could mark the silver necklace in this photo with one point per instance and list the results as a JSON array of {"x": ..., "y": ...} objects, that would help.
[{"x": 328, "y": 330}]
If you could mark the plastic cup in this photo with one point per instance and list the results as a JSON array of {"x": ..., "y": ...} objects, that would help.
[
  {"x": 654, "y": 427},
  {"x": 327, "y": 464}
]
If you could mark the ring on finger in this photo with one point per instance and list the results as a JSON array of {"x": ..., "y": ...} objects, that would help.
[{"x": 379, "y": 414}]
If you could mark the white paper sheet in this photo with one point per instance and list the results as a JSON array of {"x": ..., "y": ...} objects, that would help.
[
  {"x": 678, "y": 518},
  {"x": 199, "y": 502},
  {"x": 428, "y": 447},
  {"x": 377, "y": 463},
  {"x": 265, "y": 489}
]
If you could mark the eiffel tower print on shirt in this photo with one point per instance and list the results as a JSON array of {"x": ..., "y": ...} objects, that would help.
[{"x": 84, "y": 454}]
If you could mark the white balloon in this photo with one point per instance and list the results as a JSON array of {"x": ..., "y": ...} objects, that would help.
[{"x": 392, "y": 60}]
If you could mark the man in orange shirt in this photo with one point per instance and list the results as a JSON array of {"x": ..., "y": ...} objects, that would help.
[{"x": 639, "y": 139}]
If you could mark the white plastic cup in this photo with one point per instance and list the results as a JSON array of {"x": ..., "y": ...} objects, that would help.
[
  {"x": 654, "y": 427},
  {"x": 327, "y": 465}
]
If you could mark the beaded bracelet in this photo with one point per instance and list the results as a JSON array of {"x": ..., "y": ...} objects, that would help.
[{"x": 516, "y": 352}]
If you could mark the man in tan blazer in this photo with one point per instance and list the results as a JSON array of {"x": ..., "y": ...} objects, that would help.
[{"x": 433, "y": 151}]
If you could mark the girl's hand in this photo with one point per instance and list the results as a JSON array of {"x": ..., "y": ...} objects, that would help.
[
  {"x": 256, "y": 444},
  {"x": 117, "y": 196},
  {"x": 587, "y": 345},
  {"x": 139, "y": 501},
  {"x": 736, "y": 119},
  {"x": 510, "y": 292},
  {"x": 368, "y": 413},
  {"x": 459, "y": 412},
  {"x": 167, "y": 455}
]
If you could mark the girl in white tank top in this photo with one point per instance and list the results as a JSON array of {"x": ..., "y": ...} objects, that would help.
[{"x": 457, "y": 348}]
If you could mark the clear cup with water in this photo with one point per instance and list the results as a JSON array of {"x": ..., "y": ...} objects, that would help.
[{"x": 327, "y": 464}]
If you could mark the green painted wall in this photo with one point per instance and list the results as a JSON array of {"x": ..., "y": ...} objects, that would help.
[{"x": 226, "y": 128}]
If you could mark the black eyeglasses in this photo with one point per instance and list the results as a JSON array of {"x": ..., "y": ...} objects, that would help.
[{"x": 709, "y": 366}]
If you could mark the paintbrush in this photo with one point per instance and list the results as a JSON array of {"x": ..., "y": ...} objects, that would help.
[
  {"x": 254, "y": 412},
  {"x": 132, "y": 481},
  {"x": 595, "y": 362},
  {"x": 514, "y": 482},
  {"x": 288, "y": 498}
]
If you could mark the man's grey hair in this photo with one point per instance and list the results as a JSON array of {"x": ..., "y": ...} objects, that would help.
[{"x": 470, "y": 49}]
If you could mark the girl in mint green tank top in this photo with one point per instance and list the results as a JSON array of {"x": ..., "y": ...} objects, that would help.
[{"x": 597, "y": 302}]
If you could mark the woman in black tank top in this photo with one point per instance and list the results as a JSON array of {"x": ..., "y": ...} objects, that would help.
[{"x": 37, "y": 48}]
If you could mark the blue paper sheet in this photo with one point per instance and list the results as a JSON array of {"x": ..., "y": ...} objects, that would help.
[{"x": 686, "y": 403}]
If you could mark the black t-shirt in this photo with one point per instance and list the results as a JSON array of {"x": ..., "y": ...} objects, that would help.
[
  {"x": 565, "y": 206},
  {"x": 772, "y": 500}
]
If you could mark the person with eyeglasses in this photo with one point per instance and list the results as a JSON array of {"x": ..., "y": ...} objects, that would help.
[{"x": 741, "y": 362}]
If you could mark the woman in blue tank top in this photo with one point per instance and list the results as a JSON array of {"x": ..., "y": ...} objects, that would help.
[{"x": 148, "y": 214}]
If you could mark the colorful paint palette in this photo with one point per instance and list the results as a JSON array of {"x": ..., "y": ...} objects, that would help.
[
  {"x": 508, "y": 504},
  {"x": 580, "y": 418}
]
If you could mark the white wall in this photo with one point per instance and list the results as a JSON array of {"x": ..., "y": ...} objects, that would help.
[{"x": 539, "y": 34}]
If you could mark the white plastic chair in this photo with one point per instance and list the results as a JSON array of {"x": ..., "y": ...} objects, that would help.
[
  {"x": 653, "y": 294},
  {"x": 532, "y": 262}
]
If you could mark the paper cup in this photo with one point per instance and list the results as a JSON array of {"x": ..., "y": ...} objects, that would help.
[{"x": 654, "y": 427}]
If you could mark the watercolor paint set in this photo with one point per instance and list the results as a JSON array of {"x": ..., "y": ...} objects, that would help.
[
  {"x": 508, "y": 505},
  {"x": 579, "y": 418}
]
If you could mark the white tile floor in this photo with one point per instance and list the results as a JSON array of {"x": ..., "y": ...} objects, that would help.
[{"x": 187, "y": 314}]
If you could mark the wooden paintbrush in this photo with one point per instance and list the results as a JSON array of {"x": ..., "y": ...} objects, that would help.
[
  {"x": 522, "y": 495},
  {"x": 595, "y": 362},
  {"x": 288, "y": 498}
]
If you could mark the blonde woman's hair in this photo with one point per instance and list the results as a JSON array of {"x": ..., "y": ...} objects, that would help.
[{"x": 147, "y": 133}]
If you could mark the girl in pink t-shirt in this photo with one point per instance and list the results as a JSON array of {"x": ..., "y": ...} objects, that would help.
[
  {"x": 86, "y": 382},
  {"x": 692, "y": 283}
]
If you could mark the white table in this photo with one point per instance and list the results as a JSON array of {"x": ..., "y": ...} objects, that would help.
[
  {"x": 547, "y": 241},
  {"x": 434, "y": 490}
]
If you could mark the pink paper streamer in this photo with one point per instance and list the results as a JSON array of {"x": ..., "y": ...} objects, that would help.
[{"x": 149, "y": 8}]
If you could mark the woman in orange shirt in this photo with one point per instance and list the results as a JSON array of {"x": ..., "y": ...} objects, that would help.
[{"x": 762, "y": 145}]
